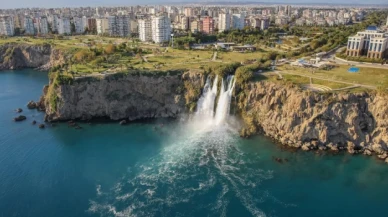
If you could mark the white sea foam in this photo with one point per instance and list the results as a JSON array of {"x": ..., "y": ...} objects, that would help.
[{"x": 199, "y": 160}]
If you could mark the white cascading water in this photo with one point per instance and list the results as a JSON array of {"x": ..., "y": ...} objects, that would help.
[
  {"x": 206, "y": 104},
  {"x": 223, "y": 106},
  {"x": 205, "y": 108}
]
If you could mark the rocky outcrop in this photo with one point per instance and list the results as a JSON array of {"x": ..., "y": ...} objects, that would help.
[
  {"x": 121, "y": 96},
  {"x": 20, "y": 56},
  {"x": 357, "y": 123}
]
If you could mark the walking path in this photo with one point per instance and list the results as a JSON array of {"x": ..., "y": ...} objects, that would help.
[{"x": 214, "y": 56}]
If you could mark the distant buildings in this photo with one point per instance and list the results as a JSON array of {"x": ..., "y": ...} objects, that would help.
[
  {"x": 119, "y": 26},
  {"x": 7, "y": 26},
  {"x": 223, "y": 22},
  {"x": 145, "y": 31},
  {"x": 208, "y": 25},
  {"x": 29, "y": 28},
  {"x": 42, "y": 25},
  {"x": 371, "y": 43},
  {"x": 64, "y": 26},
  {"x": 238, "y": 21},
  {"x": 102, "y": 25},
  {"x": 161, "y": 29}
]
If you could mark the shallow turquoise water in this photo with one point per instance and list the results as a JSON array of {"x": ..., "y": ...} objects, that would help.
[{"x": 166, "y": 168}]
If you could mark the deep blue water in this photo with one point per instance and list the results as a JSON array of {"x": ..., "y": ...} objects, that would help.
[{"x": 166, "y": 168}]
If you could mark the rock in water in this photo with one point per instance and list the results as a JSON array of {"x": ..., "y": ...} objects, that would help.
[
  {"x": 19, "y": 110},
  {"x": 31, "y": 105},
  {"x": 123, "y": 122},
  {"x": 20, "y": 118},
  {"x": 33, "y": 122},
  {"x": 41, "y": 126}
]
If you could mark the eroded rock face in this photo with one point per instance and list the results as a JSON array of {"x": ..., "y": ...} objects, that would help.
[
  {"x": 130, "y": 97},
  {"x": 353, "y": 122},
  {"x": 19, "y": 56}
]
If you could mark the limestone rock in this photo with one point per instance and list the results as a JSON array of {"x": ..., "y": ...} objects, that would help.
[
  {"x": 130, "y": 97},
  {"x": 20, "y": 118}
]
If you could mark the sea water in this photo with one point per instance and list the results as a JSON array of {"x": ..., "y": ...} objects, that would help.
[{"x": 168, "y": 168}]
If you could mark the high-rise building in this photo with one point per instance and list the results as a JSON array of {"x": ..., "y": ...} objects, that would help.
[
  {"x": 145, "y": 31},
  {"x": 78, "y": 24},
  {"x": 189, "y": 12},
  {"x": 161, "y": 29},
  {"x": 223, "y": 22},
  {"x": 238, "y": 21},
  {"x": 102, "y": 26},
  {"x": 43, "y": 28},
  {"x": 208, "y": 25},
  {"x": 29, "y": 28},
  {"x": 288, "y": 10},
  {"x": 7, "y": 26},
  {"x": 92, "y": 25},
  {"x": 196, "y": 26},
  {"x": 119, "y": 26},
  {"x": 63, "y": 26}
]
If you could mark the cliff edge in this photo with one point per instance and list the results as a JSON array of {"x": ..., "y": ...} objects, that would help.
[
  {"x": 354, "y": 122},
  {"x": 118, "y": 96},
  {"x": 20, "y": 56}
]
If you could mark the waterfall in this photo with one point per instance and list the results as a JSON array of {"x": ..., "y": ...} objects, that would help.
[
  {"x": 205, "y": 107},
  {"x": 223, "y": 106}
]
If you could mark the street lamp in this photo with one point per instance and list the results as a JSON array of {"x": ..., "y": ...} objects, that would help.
[{"x": 172, "y": 40}]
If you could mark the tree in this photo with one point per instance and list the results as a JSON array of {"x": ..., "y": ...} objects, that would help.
[{"x": 110, "y": 49}]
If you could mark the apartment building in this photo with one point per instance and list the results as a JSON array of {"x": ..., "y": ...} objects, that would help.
[
  {"x": 145, "y": 31},
  {"x": 42, "y": 24},
  {"x": 63, "y": 26},
  {"x": 102, "y": 25},
  {"x": 208, "y": 25},
  {"x": 223, "y": 22},
  {"x": 7, "y": 26},
  {"x": 119, "y": 26},
  {"x": 237, "y": 21},
  {"x": 196, "y": 26},
  {"x": 29, "y": 28},
  {"x": 161, "y": 29},
  {"x": 92, "y": 25}
]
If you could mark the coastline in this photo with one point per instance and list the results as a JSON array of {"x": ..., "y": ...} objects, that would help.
[{"x": 293, "y": 117}]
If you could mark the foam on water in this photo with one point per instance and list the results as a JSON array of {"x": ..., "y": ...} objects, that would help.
[{"x": 199, "y": 162}]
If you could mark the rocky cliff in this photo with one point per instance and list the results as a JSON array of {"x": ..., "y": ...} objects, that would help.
[
  {"x": 354, "y": 122},
  {"x": 19, "y": 56},
  {"x": 122, "y": 96}
]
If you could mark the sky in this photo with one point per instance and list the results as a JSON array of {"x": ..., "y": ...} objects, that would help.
[{"x": 76, "y": 3}]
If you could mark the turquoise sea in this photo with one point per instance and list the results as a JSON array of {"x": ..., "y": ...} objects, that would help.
[{"x": 168, "y": 168}]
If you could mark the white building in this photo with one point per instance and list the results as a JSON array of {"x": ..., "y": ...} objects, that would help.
[
  {"x": 63, "y": 26},
  {"x": 371, "y": 42},
  {"x": 7, "y": 26},
  {"x": 161, "y": 29},
  {"x": 145, "y": 31},
  {"x": 102, "y": 25},
  {"x": 29, "y": 28},
  {"x": 43, "y": 26},
  {"x": 223, "y": 22}
]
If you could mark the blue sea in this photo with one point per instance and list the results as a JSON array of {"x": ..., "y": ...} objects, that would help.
[{"x": 168, "y": 168}]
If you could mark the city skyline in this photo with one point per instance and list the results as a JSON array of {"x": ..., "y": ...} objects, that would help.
[{"x": 115, "y": 3}]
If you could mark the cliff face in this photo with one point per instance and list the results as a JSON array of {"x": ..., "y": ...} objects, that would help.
[
  {"x": 355, "y": 122},
  {"x": 19, "y": 56},
  {"x": 116, "y": 97}
]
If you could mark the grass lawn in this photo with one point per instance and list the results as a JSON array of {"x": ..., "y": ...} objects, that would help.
[{"x": 367, "y": 76}]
